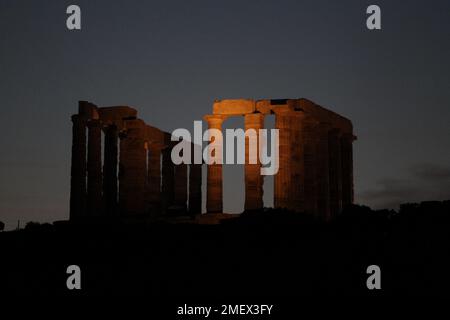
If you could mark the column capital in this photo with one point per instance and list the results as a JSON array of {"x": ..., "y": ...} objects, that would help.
[
  {"x": 76, "y": 118},
  {"x": 215, "y": 120}
]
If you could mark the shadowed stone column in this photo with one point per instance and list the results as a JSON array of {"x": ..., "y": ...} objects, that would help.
[
  {"x": 297, "y": 193},
  {"x": 195, "y": 188},
  {"x": 323, "y": 171},
  {"x": 334, "y": 148},
  {"x": 94, "y": 168},
  {"x": 253, "y": 178},
  {"x": 310, "y": 169},
  {"x": 282, "y": 183},
  {"x": 181, "y": 186},
  {"x": 133, "y": 169},
  {"x": 110, "y": 170},
  {"x": 154, "y": 178},
  {"x": 78, "y": 168},
  {"x": 347, "y": 168},
  {"x": 168, "y": 174},
  {"x": 195, "y": 182},
  {"x": 214, "y": 191}
]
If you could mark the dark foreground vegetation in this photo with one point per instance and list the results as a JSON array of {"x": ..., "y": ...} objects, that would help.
[{"x": 265, "y": 253}]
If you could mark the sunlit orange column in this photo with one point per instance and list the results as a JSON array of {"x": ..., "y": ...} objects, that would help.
[
  {"x": 253, "y": 178},
  {"x": 214, "y": 191},
  {"x": 282, "y": 183}
]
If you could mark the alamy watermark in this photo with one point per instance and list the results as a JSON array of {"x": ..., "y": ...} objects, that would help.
[{"x": 234, "y": 139}]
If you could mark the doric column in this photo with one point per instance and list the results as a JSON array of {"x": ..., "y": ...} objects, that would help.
[
  {"x": 168, "y": 175},
  {"x": 253, "y": 178},
  {"x": 195, "y": 182},
  {"x": 214, "y": 200},
  {"x": 78, "y": 168},
  {"x": 110, "y": 170},
  {"x": 133, "y": 169},
  {"x": 334, "y": 148},
  {"x": 347, "y": 168},
  {"x": 282, "y": 183},
  {"x": 308, "y": 132},
  {"x": 195, "y": 188},
  {"x": 323, "y": 171},
  {"x": 94, "y": 168},
  {"x": 154, "y": 178},
  {"x": 181, "y": 186},
  {"x": 297, "y": 162}
]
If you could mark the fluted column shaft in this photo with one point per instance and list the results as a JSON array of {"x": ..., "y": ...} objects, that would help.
[
  {"x": 78, "y": 168},
  {"x": 133, "y": 170},
  {"x": 347, "y": 169},
  {"x": 282, "y": 183},
  {"x": 253, "y": 178},
  {"x": 181, "y": 186},
  {"x": 334, "y": 148},
  {"x": 310, "y": 164},
  {"x": 323, "y": 171},
  {"x": 168, "y": 176},
  {"x": 94, "y": 168},
  {"x": 297, "y": 162},
  {"x": 110, "y": 170},
  {"x": 214, "y": 201},
  {"x": 154, "y": 178}
]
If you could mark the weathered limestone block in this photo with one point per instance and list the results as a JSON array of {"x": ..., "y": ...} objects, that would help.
[
  {"x": 78, "y": 168},
  {"x": 253, "y": 178},
  {"x": 234, "y": 106}
]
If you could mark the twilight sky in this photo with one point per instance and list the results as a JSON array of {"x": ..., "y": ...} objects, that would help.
[{"x": 171, "y": 59}]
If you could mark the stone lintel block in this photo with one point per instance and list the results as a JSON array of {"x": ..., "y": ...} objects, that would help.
[
  {"x": 234, "y": 106},
  {"x": 113, "y": 114}
]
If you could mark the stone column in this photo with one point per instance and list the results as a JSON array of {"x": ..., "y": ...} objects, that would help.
[
  {"x": 347, "y": 168},
  {"x": 308, "y": 132},
  {"x": 334, "y": 148},
  {"x": 94, "y": 168},
  {"x": 214, "y": 191},
  {"x": 168, "y": 174},
  {"x": 195, "y": 188},
  {"x": 110, "y": 171},
  {"x": 133, "y": 169},
  {"x": 154, "y": 178},
  {"x": 78, "y": 168},
  {"x": 297, "y": 193},
  {"x": 181, "y": 186},
  {"x": 282, "y": 183},
  {"x": 323, "y": 171},
  {"x": 253, "y": 178}
]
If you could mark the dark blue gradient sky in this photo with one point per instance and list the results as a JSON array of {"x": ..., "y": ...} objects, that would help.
[{"x": 171, "y": 59}]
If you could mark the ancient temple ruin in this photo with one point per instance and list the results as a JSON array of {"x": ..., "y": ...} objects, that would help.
[{"x": 121, "y": 167}]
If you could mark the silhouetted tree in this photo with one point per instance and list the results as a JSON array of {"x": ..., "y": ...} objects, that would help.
[{"x": 2, "y": 226}]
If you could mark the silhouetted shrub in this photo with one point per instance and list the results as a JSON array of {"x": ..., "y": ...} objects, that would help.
[{"x": 2, "y": 226}]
